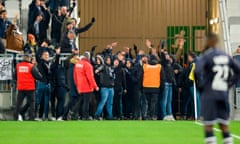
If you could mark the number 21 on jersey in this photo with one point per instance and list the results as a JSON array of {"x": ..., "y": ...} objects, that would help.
[{"x": 221, "y": 70}]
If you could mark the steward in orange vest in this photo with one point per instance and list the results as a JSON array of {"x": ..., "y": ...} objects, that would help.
[
  {"x": 26, "y": 74},
  {"x": 151, "y": 87}
]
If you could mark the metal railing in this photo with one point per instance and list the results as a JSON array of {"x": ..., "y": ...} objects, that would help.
[{"x": 7, "y": 82}]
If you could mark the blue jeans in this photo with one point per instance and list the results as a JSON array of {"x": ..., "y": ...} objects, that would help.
[
  {"x": 43, "y": 92},
  {"x": 197, "y": 100},
  {"x": 166, "y": 102},
  {"x": 106, "y": 98}
]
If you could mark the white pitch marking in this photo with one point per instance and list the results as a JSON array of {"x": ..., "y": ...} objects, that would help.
[{"x": 218, "y": 130}]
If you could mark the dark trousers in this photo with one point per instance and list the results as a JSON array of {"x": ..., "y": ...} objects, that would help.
[
  {"x": 136, "y": 103},
  {"x": 93, "y": 103},
  {"x": 117, "y": 103},
  {"x": 30, "y": 102},
  {"x": 152, "y": 103},
  {"x": 69, "y": 107},
  {"x": 188, "y": 103},
  {"x": 60, "y": 93},
  {"x": 82, "y": 104},
  {"x": 127, "y": 104}
]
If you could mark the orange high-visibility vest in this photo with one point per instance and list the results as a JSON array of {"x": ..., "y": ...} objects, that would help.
[{"x": 151, "y": 76}]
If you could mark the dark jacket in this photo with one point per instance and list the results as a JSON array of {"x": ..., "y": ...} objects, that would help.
[
  {"x": 72, "y": 90},
  {"x": 43, "y": 25},
  {"x": 83, "y": 29},
  {"x": 107, "y": 76},
  {"x": 56, "y": 27},
  {"x": 47, "y": 69},
  {"x": 168, "y": 70},
  {"x": 137, "y": 76},
  {"x": 178, "y": 67},
  {"x": 3, "y": 27},
  {"x": 34, "y": 11},
  {"x": 120, "y": 80},
  {"x": 59, "y": 76},
  {"x": 186, "y": 82},
  {"x": 66, "y": 45}
]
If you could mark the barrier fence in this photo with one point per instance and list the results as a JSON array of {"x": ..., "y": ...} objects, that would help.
[{"x": 8, "y": 90}]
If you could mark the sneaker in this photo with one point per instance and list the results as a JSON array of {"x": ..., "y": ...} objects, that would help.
[
  {"x": 60, "y": 118},
  {"x": 20, "y": 118},
  {"x": 97, "y": 118},
  {"x": 38, "y": 119},
  {"x": 171, "y": 118},
  {"x": 166, "y": 118},
  {"x": 53, "y": 119}
]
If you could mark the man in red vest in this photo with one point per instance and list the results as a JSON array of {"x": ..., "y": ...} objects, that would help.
[
  {"x": 26, "y": 74},
  {"x": 85, "y": 84}
]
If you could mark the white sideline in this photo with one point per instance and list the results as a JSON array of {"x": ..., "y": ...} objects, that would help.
[{"x": 218, "y": 130}]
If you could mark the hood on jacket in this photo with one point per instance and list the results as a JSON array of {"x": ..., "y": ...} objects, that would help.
[{"x": 100, "y": 58}]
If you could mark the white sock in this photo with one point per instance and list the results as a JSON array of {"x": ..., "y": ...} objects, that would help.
[
  {"x": 211, "y": 140},
  {"x": 228, "y": 140}
]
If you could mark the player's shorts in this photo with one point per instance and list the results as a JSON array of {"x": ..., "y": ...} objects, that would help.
[{"x": 215, "y": 111}]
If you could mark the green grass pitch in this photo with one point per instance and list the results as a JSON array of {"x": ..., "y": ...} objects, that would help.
[{"x": 106, "y": 132}]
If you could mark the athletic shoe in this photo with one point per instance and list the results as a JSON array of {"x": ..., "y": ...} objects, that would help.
[
  {"x": 20, "y": 118},
  {"x": 53, "y": 119},
  {"x": 38, "y": 119},
  {"x": 166, "y": 118},
  {"x": 171, "y": 118},
  {"x": 60, "y": 119}
]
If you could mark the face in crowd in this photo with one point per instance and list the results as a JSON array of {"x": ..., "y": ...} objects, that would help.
[
  {"x": 128, "y": 64},
  {"x": 108, "y": 61},
  {"x": 115, "y": 63},
  {"x": 3, "y": 15},
  {"x": 45, "y": 56}
]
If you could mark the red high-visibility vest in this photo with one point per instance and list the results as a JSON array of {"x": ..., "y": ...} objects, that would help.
[{"x": 25, "y": 79}]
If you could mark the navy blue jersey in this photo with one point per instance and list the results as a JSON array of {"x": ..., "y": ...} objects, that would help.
[{"x": 216, "y": 72}]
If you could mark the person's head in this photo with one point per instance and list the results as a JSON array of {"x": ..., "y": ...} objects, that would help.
[
  {"x": 31, "y": 39},
  {"x": 128, "y": 63},
  {"x": 87, "y": 55},
  {"x": 37, "y": 2},
  {"x": 167, "y": 56},
  {"x": 63, "y": 10},
  {"x": 211, "y": 40},
  {"x": 69, "y": 25},
  {"x": 120, "y": 56},
  {"x": 45, "y": 43},
  {"x": 45, "y": 55},
  {"x": 144, "y": 59},
  {"x": 115, "y": 62},
  {"x": 27, "y": 57},
  {"x": 141, "y": 52},
  {"x": 191, "y": 56},
  {"x": 238, "y": 49},
  {"x": 108, "y": 60},
  {"x": 3, "y": 14},
  {"x": 99, "y": 60},
  {"x": 154, "y": 51},
  {"x": 74, "y": 22},
  {"x": 42, "y": 2},
  {"x": 71, "y": 35}
]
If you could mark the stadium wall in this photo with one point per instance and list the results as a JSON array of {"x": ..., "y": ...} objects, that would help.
[{"x": 132, "y": 21}]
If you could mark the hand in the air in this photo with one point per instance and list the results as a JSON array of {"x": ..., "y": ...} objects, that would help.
[{"x": 93, "y": 20}]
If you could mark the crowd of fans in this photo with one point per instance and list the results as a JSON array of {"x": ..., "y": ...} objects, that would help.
[{"x": 129, "y": 84}]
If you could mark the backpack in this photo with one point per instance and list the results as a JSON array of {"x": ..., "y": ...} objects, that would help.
[{"x": 14, "y": 39}]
